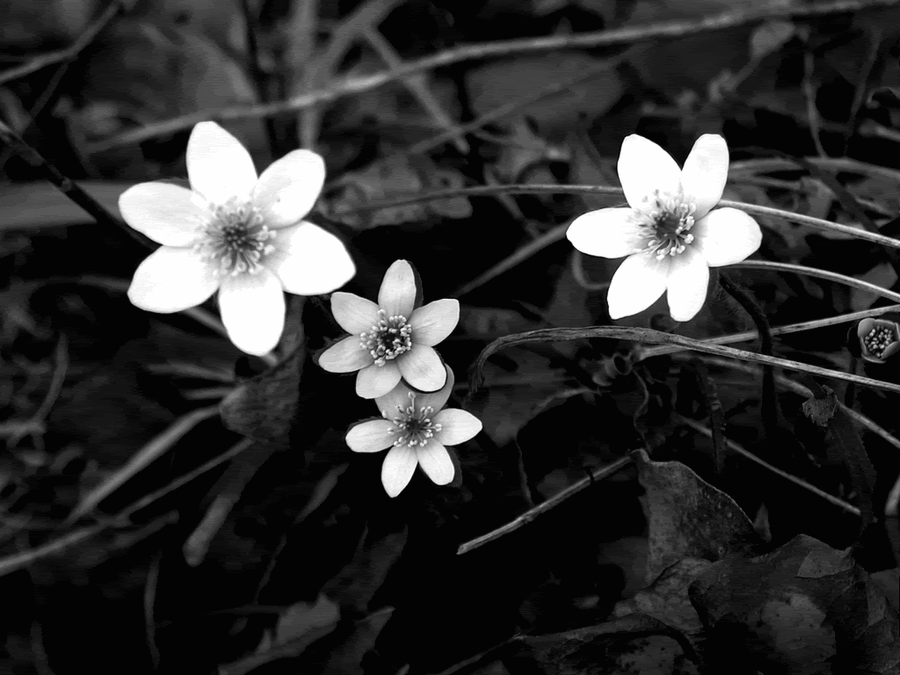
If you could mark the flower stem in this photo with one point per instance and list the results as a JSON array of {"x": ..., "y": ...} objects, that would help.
[{"x": 770, "y": 412}]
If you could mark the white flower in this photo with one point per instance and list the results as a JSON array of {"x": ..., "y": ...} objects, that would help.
[
  {"x": 418, "y": 432},
  {"x": 233, "y": 232},
  {"x": 391, "y": 340},
  {"x": 670, "y": 233}
]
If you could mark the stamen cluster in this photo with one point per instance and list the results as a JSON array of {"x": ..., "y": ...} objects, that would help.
[
  {"x": 664, "y": 225},
  {"x": 387, "y": 339},
  {"x": 235, "y": 239},
  {"x": 413, "y": 426},
  {"x": 879, "y": 339}
]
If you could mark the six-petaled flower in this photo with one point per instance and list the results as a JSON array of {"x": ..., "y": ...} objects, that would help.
[
  {"x": 237, "y": 233},
  {"x": 391, "y": 340},
  {"x": 418, "y": 431},
  {"x": 670, "y": 231}
]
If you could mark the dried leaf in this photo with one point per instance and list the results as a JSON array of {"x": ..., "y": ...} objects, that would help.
[
  {"x": 263, "y": 407},
  {"x": 805, "y": 608},
  {"x": 689, "y": 518}
]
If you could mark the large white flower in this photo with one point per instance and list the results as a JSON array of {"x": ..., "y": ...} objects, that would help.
[
  {"x": 671, "y": 233},
  {"x": 233, "y": 232},
  {"x": 391, "y": 340},
  {"x": 418, "y": 433}
]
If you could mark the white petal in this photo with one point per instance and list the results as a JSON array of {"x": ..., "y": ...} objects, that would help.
[
  {"x": 422, "y": 368},
  {"x": 252, "y": 307},
  {"x": 457, "y": 426},
  {"x": 168, "y": 214},
  {"x": 374, "y": 381},
  {"x": 705, "y": 172},
  {"x": 726, "y": 236},
  {"x": 432, "y": 323},
  {"x": 309, "y": 260},
  {"x": 170, "y": 280},
  {"x": 397, "y": 294},
  {"x": 435, "y": 462},
  {"x": 437, "y": 399},
  {"x": 287, "y": 190},
  {"x": 398, "y": 397},
  {"x": 644, "y": 167},
  {"x": 371, "y": 436},
  {"x": 637, "y": 284},
  {"x": 345, "y": 356},
  {"x": 607, "y": 233},
  {"x": 398, "y": 468},
  {"x": 687, "y": 282},
  {"x": 218, "y": 166},
  {"x": 354, "y": 314}
]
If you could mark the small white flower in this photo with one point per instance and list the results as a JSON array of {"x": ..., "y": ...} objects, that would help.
[
  {"x": 417, "y": 431},
  {"x": 670, "y": 233},
  {"x": 233, "y": 232},
  {"x": 391, "y": 340}
]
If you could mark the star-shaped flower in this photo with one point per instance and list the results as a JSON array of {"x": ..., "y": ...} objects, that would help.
[
  {"x": 671, "y": 232},
  {"x": 418, "y": 431},
  {"x": 233, "y": 232},
  {"x": 391, "y": 340}
]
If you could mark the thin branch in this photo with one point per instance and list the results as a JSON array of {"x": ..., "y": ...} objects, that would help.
[
  {"x": 543, "y": 507},
  {"x": 800, "y": 389},
  {"x": 67, "y": 186},
  {"x": 18, "y": 561},
  {"x": 755, "y": 209},
  {"x": 696, "y": 426},
  {"x": 259, "y": 74},
  {"x": 150, "y": 452},
  {"x": 659, "y": 337},
  {"x": 649, "y": 352},
  {"x": 72, "y": 51},
  {"x": 418, "y": 88},
  {"x": 821, "y": 274},
  {"x": 618, "y": 36},
  {"x": 516, "y": 104}
]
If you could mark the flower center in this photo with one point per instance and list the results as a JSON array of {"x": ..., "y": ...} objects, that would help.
[
  {"x": 665, "y": 224},
  {"x": 878, "y": 339},
  {"x": 387, "y": 339},
  {"x": 412, "y": 425},
  {"x": 235, "y": 239}
]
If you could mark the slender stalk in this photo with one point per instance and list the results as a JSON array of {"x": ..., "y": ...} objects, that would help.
[
  {"x": 821, "y": 274},
  {"x": 770, "y": 412},
  {"x": 67, "y": 186},
  {"x": 661, "y": 350}
]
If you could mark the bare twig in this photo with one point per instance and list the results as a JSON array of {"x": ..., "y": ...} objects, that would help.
[
  {"x": 654, "y": 336},
  {"x": 150, "y": 452},
  {"x": 67, "y": 186},
  {"x": 800, "y": 389},
  {"x": 70, "y": 52},
  {"x": 821, "y": 274},
  {"x": 367, "y": 14},
  {"x": 755, "y": 209},
  {"x": 418, "y": 88},
  {"x": 508, "y": 108},
  {"x": 660, "y": 350},
  {"x": 626, "y": 35},
  {"x": 543, "y": 507},
  {"x": 696, "y": 426},
  {"x": 259, "y": 74}
]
